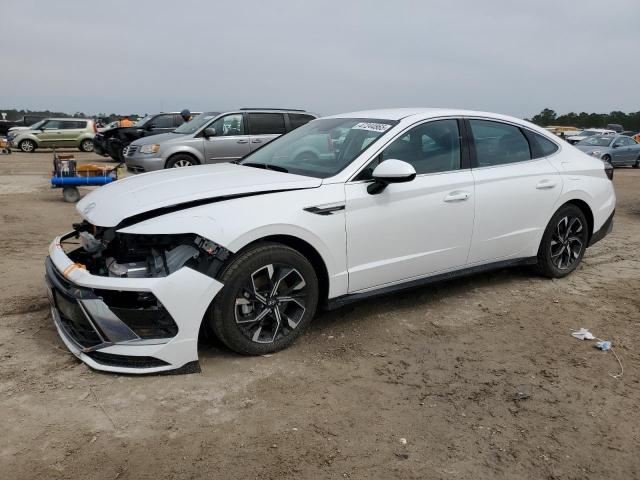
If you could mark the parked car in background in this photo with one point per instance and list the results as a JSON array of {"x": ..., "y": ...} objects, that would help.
[
  {"x": 56, "y": 132},
  {"x": 589, "y": 132},
  {"x": 22, "y": 124},
  {"x": 214, "y": 137},
  {"x": 563, "y": 131},
  {"x": 112, "y": 142},
  {"x": 616, "y": 127},
  {"x": 251, "y": 249},
  {"x": 629, "y": 133},
  {"x": 109, "y": 126},
  {"x": 618, "y": 150}
]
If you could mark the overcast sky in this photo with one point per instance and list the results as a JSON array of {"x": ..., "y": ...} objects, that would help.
[{"x": 138, "y": 56}]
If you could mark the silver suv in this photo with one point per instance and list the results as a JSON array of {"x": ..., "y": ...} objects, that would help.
[{"x": 213, "y": 137}]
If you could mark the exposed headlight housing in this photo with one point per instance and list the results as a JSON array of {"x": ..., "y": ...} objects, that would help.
[{"x": 152, "y": 148}]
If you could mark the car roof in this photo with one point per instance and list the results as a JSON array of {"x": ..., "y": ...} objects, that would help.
[
  {"x": 68, "y": 119},
  {"x": 422, "y": 113}
]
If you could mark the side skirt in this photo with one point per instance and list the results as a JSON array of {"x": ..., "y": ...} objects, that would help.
[{"x": 343, "y": 300}]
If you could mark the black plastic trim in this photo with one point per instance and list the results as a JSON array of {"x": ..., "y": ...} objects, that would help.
[
  {"x": 606, "y": 229},
  {"x": 338, "y": 302}
]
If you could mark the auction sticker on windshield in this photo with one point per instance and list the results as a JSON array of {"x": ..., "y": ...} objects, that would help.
[{"x": 373, "y": 127}]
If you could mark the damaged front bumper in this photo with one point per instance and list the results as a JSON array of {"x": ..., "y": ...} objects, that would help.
[{"x": 128, "y": 325}]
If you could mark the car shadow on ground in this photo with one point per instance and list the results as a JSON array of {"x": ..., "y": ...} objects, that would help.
[{"x": 358, "y": 313}]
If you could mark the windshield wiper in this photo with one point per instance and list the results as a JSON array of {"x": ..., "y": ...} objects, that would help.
[{"x": 266, "y": 166}]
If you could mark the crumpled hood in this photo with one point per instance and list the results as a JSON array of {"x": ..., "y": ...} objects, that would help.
[{"x": 108, "y": 205}]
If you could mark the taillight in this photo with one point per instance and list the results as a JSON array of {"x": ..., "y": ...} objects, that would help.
[
  {"x": 95, "y": 129},
  {"x": 608, "y": 169}
]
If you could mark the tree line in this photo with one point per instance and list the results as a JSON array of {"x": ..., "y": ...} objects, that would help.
[
  {"x": 13, "y": 114},
  {"x": 629, "y": 121}
]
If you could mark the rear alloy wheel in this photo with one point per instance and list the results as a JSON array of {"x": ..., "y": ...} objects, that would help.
[
  {"x": 86, "y": 145},
  {"x": 563, "y": 243},
  {"x": 179, "y": 161},
  {"x": 606, "y": 158},
  {"x": 27, "y": 146},
  {"x": 270, "y": 295}
]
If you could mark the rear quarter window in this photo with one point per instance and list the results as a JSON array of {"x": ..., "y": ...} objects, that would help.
[
  {"x": 546, "y": 146},
  {"x": 297, "y": 120}
]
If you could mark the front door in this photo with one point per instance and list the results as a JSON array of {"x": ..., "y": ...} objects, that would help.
[
  {"x": 230, "y": 142},
  {"x": 515, "y": 194},
  {"x": 412, "y": 229},
  {"x": 52, "y": 134}
]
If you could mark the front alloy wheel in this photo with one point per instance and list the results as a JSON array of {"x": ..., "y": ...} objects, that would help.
[
  {"x": 271, "y": 303},
  {"x": 269, "y": 296},
  {"x": 27, "y": 146}
]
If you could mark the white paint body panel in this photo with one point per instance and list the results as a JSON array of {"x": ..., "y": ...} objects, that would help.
[{"x": 408, "y": 231}]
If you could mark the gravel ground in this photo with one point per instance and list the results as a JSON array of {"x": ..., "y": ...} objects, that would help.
[{"x": 423, "y": 384}]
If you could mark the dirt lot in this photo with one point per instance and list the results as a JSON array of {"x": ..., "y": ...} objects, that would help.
[{"x": 439, "y": 367}]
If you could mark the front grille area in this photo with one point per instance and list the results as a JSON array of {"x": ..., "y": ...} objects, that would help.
[
  {"x": 130, "y": 150},
  {"x": 75, "y": 322},
  {"x": 113, "y": 360}
]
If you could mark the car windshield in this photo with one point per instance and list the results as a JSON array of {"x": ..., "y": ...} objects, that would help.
[
  {"x": 321, "y": 148},
  {"x": 596, "y": 141},
  {"x": 141, "y": 122},
  {"x": 37, "y": 125},
  {"x": 195, "y": 124}
]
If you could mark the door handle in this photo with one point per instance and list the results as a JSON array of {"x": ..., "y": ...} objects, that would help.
[
  {"x": 242, "y": 141},
  {"x": 545, "y": 184},
  {"x": 457, "y": 197},
  {"x": 256, "y": 140}
]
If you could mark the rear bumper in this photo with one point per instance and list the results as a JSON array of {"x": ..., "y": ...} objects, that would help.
[
  {"x": 605, "y": 230},
  {"x": 89, "y": 315}
]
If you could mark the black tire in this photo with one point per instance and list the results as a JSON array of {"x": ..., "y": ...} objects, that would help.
[
  {"x": 86, "y": 145},
  {"x": 606, "y": 158},
  {"x": 27, "y": 146},
  {"x": 637, "y": 164},
  {"x": 70, "y": 194},
  {"x": 567, "y": 231},
  {"x": 181, "y": 160},
  {"x": 241, "y": 300},
  {"x": 119, "y": 156}
]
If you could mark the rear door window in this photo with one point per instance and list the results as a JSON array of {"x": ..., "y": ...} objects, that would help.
[
  {"x": 498, "y": 143},
  {"x": 266, "y": 123}
]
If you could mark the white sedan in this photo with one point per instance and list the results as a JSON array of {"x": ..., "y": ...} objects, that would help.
[{"x": 251, "y": 249}]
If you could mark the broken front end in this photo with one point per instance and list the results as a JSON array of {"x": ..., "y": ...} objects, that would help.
[{"x": 132, "y": 303}]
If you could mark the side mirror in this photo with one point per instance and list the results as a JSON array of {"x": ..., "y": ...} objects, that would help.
[
  {"x": 151, "y": 126},
  {"x": 209, "y": 132},
  {"x": 390, "y": 171},
  {"x": 616, "y": 145}
]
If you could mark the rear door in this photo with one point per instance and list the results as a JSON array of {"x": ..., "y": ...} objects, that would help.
[
  {"x": 264, "y": 127},
  {"x": 230, "y": 141},
  {"x": 516, "y": 188},
  {"x": 71, "y": 131}
]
